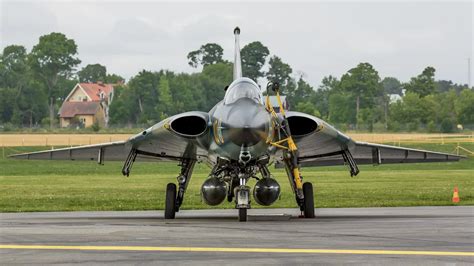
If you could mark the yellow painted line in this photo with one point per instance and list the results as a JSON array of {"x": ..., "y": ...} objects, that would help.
[{"x": 244, "y": 250}]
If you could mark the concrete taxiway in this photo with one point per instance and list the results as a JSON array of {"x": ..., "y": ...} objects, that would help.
[{"x": 415, "y": 235}]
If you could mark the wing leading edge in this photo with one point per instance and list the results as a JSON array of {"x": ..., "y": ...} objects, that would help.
[
  {"x": 112, "y": 151},
  {"x": 158, "y": 142}
]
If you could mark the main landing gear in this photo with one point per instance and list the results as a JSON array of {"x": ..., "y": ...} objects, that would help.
[
  {"x": 174, "y": 197},
  {"x": 303, "y": 192},
  {"x": 308, "y": 209}
]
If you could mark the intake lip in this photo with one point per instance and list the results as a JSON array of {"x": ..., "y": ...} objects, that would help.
[
  {"x": 302, "y": 125},
  {"x": 189, "y": 125}
]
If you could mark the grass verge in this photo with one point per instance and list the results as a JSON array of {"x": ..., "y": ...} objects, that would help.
[{"x": 72, "y": 186}]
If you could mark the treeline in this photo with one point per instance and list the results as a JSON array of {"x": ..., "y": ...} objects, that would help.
[{"x": 34, "y": 84}]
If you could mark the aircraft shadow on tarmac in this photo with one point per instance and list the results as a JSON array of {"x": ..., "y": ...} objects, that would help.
[{"x": 254, "y": 218}]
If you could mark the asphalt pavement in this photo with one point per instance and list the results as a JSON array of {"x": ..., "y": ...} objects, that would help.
[{"x": 389, "y": 236}]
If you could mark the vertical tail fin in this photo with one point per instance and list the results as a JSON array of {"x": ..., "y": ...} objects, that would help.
[{"x": 237, "y": 62}]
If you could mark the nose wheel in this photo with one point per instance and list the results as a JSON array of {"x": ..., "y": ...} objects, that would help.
[{"x": 242, "y": 215}]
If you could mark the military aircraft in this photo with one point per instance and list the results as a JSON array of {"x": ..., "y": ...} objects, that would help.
[{"x": 239, "y": 138}]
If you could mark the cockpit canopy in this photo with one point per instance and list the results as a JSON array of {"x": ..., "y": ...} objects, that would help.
[{"x": 243, "y": 88}]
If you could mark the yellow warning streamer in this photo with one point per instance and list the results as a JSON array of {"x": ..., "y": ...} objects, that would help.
[{"x": 291, "y": 146}]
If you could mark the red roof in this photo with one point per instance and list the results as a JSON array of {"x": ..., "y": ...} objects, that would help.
[
  {"x": 71, "y": 109},
  {"x": 93, "y": 90}
]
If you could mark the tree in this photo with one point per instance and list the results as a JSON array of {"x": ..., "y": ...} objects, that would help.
[
  {"x": 302, "y": 93},
  {"x": 14, "y": 67},
  {"x": 21, "y": 94},
  {"x": 165, "y": 102},
  {"x": 93, "y": 73},
  {"x": 144, "y": 88},
  {"x": 253, "y": 57},
  {"x": 213, "y": 80},
  {"x": 7, "y": 104},
  {"x": 363, "y": 84},
  {"x": 446, "y": 85},
  {"x": 307, "y": 108},
  {"x": 423, "y": 84},
  {"x": 341, "y": 108},
  {"x": 329, "y": 85},
  {"x": 208, "y": 54},
  {"x": 51, "y": 59},
  {"x": 465, "y": 107},
  {"x": 392, "y": 85},
  {"x": 412, "y": 112},
  {"x": 123, "y": 108},
  {"x": 114, "y": 79},
  {"x": 280, "y": 72}
]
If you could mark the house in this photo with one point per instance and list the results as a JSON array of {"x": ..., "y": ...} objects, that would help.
[
  {"x": 276, "y": 105},
  {"x": 393, "y": 98},
  {"x": 86, "y": 104}
]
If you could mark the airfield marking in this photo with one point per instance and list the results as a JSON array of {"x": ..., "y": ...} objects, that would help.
[{"x": 244, "y": 250}]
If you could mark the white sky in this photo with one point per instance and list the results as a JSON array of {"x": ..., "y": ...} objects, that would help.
[{"x": 315, "y": 38}]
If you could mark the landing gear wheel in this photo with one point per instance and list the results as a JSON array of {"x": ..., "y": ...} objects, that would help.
[
  {"x": 170, "y": 203},
  {"x": 242, "y": 215},
  {"x": 308, "y": 200}
]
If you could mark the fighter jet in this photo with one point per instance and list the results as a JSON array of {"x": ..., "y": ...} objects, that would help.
[{"x": 239, "y": 138}]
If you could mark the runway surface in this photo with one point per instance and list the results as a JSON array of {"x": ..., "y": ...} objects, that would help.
[{"x": 416, "y": 235}]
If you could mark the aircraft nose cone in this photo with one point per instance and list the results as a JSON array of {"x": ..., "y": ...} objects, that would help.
[{"x": 247, "y": 123}]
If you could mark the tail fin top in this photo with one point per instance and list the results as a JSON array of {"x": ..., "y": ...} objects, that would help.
[{"x": 237, "y": 61}]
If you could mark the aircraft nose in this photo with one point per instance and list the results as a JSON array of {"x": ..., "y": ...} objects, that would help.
[{"x": 247, "y": 124}]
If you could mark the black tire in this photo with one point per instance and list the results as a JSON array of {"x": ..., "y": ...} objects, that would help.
[
  {"x": 242, "y": 215},
  {"x": 170, "y": 203},
  {"x": 308, "y": 200}
]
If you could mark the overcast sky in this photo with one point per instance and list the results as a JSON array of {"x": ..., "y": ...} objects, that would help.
[{"x": 316, "y": 38}]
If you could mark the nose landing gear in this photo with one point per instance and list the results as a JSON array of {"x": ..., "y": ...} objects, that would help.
[{"x": 242, "y": 199}]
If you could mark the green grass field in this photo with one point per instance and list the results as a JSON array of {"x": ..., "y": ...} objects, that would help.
[{"x": 73, "y": 186}]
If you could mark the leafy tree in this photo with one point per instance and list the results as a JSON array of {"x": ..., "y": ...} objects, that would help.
[
  {"x": 446, "y": 85},
  {"x": 165, "y": 103},
  {"x": 214, "y": 79},
  {"x": 302, "y": 93},
  {"x": 123, "y": 108},
  {"x": 303, "y": 90},
  {"x": 423, "y": 84},
  {"x": 412, "y": 111},
  {"x": 93, "y": 73},
  {"x": 7, "y": 104},
  {"x": 51, "y": 59},
  {"x": 187, "y": 91},
  {"x": 392, "y": 85},
  {"x": 308, "y": 108},
  {"x": 144, "y": 87},
  {"x": 465, "y": 107},
  {"x": 341, "y": 108},
  {"x": 279, "y": 71},
  {"x": 329, "y": 85},
  {"x": 13, "y": 67},
  {"x": 208, "y": 54},
  {"x": 363, "y": 84},
  {"x": 22, "y": 95},
  {"x": 253, "y": 57},
  {"x": 114, "y": 79}
]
